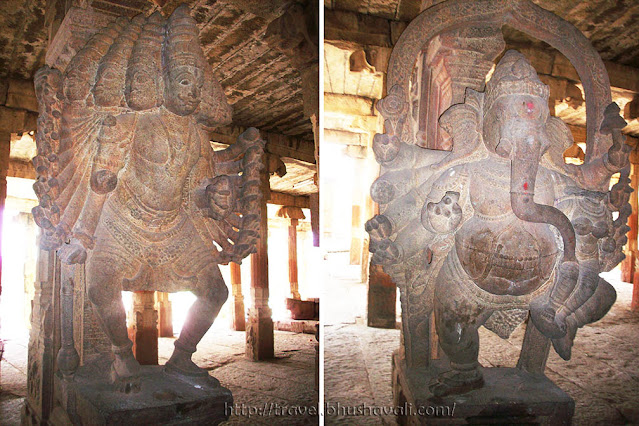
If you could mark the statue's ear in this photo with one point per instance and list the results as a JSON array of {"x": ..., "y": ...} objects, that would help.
[
  {"x": 560, "y": 138},
  {"x": 559, "y": 133},
  {"x": 455, "y": 120},
  {"x": 474, "y": 99}
]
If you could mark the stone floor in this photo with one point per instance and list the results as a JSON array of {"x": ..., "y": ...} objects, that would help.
[
  {"x": 269, "y": 392},
  {"x": 602, "y": 376}
]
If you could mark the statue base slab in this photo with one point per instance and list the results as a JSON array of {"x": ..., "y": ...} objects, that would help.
[
  {"x": 509, "y": 396},
  {"x": 89, "y": 398}
]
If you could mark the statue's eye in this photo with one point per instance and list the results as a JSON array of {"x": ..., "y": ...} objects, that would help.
[{"x": 185, "y": 82}]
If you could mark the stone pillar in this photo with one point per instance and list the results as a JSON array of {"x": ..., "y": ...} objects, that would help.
[
  {"x": 296, "y": 34},
  {"x": 382, "y": 297},
  {"x": 634, "y": 305},
  {"x": 356, "y": 235},
  {"x": 293, "y": 214},
  {"x": 5, "y": 148},
  {"x": 144, "y": 330},
  {"x": 237, "y": 308},
  {"x": 315, "y": 227},
  {"x": 357, "y": 214},
  {"x": 259, "y": 329},
  {"x": 628, "y": 265},
  {"x": 292, "y": 259},
  {"x": 165, "y": 314},
  {"x": 43, "y": 343}
]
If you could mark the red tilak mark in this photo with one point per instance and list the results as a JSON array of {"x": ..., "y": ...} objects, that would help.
[
  {"x": 526, "y": 185},
  {"x": 530, "y": 107}
]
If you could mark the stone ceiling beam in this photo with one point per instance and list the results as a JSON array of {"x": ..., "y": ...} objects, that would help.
[
  {"x": 21, "y": 169},
  {"x": 355, "y": 30},
  {"x": 17, "y": 120},
  {"x": 351, "y": 29},
  {"x": 347, "y": 138},
  {"x": 555, "y": 64},
  {"x": 282, "y": 199}
]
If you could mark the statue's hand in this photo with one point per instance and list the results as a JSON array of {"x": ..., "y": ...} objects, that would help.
[
  {"x": 618, "y": 155},
  {"x": 379, "y": 228},
  {"x": 387, "y": 253},
  {"x": 612, "y": 124},
  {"x": 619, "y": 194},
  {"x": 386, "y": 147},
  {"x": 72, "y": 252},
  {"x": 384, "y": 250},
  {"x": 51, "y": 242},
  {"x": 251, "y": 137},
  {"x": 543, "y": 310},
  {"x": 445, "y": 216}
]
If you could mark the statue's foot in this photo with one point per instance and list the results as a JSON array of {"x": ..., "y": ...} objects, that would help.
[
  {"x": 563, "y": 346},
  {"x": 125, "y": 373},
  {"x": 457, "y": 381},
  {"x": 545, "y": 319},
  {"x": 181, "y": 363}
]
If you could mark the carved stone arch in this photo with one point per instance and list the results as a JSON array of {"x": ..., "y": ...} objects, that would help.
[{"x": 524, "y": 16}]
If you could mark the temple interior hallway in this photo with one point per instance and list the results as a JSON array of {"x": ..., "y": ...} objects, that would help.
[
  {"x": 287, "y": 380},
  {"x": 602, "y": 376}
]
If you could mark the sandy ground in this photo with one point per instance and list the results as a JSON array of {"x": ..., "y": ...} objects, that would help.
[
  {"x": 602, "y": 376},
  {"x": 280, "y": 387}
]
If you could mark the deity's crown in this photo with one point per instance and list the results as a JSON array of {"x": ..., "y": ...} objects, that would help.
[
  {"x": 182, "y": 42},
  {"x": 149, "y": 43},
  {"x": 513, "y": 76}
]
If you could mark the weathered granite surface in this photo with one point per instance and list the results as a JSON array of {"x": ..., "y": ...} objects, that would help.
[{"x": 499, "y": 229}]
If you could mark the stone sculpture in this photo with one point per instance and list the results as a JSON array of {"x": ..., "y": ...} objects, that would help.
[
  {"x": 500, "y": 228},
  {"x": 129, "y": 184}
]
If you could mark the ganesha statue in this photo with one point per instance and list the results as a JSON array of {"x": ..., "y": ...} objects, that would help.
[
  {"x": 129, "y": 184},
  {"x": 500, "y": 229}
]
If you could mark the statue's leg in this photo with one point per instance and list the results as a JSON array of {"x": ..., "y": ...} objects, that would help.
[
  {"x": 457, "y": 320},
  {"x": 591, "y": 311},
  {"x": 104, "y": 289},
  {"x": 211, "y": 294}
]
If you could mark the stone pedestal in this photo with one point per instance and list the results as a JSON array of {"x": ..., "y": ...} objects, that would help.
[
  {"x": 164, "y": 398},
  {"x": 303, "y": 309},
  {"x": 509, "y": 396}
]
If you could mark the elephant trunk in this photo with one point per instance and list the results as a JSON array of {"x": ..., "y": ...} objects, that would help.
[
  {"x": 523, "y": 175},
  {"x": 524, "y": 165}
]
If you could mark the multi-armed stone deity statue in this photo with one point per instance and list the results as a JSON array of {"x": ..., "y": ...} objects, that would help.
[
  {"x": 128, "y": 181},
  {"x": 500, "y": 228}
]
